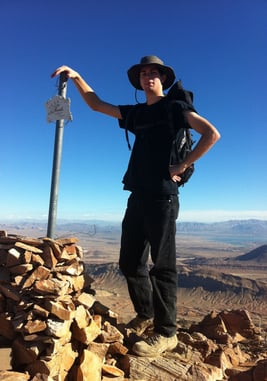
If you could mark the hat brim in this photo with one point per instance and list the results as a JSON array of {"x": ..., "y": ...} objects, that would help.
[{"x": 134, "y": 75}]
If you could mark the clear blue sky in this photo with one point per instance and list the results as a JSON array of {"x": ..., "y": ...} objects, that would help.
[{"x": 218, "y": 49}]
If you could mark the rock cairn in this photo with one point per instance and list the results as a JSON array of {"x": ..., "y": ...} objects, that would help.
[{"x": 49, "y": 318}]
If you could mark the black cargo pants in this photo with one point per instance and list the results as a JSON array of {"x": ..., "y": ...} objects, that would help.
[{"x": 149, "y": 226}]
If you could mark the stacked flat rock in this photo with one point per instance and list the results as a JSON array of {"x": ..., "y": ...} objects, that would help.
[{"x": 51, "y": 326}]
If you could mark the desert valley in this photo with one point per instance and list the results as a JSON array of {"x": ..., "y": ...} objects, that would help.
[{"x": 220, "y": 265}]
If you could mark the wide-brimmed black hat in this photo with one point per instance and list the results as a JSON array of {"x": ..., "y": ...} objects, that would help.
[{"x": 134, "y": 71}]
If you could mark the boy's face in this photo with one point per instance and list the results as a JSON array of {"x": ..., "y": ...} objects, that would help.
[{"x": 151, "y": 79}]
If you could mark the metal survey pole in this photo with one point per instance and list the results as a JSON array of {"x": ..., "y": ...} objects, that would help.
[{"x": 62, "y": 91}]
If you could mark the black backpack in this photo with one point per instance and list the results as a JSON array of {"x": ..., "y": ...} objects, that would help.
[{"x": 182, "y": 138}]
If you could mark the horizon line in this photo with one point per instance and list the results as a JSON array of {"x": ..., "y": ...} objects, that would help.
[{"x": 61, "y": 221}]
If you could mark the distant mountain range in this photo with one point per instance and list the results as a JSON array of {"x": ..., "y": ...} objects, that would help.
[
  {"x": 233, "y": 231},
  {"x": 239, "y": 226},
  {"x": 233, "y": 226}
]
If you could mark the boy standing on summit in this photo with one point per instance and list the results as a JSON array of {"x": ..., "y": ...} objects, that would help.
[{"x": 149, "y": 223}]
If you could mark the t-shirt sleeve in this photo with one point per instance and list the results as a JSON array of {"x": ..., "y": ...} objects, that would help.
[
  {"x": 184, "y": 106},
  {"x": 125, "y": 110},
  {"x": 178, "y": 109},
  {"x": 178, "y": 112}
]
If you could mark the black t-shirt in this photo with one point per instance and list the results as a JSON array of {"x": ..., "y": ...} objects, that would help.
[{"x": 148, "y": 168}]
